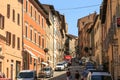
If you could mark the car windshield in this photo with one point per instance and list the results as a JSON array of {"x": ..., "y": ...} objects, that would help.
[
  {"x": 25, "y": 75},
  {"x": 59, "y": 64},
  {"x": 46, "y": 69},
  {"x": 98, "y": 77}
]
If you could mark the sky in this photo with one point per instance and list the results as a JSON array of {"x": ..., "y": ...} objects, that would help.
[{"x": 74, "y": 10}]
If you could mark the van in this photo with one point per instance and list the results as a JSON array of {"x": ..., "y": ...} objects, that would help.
[
  {"x": 27, "y": 75},
  {"x": 99, "y": 75}
]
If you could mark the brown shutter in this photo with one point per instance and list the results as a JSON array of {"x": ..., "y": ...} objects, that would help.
[
  {"x": 8, "y": 38},
  {"x": 18, "y": 19},
  {"x": 8, "y": 10},
  {"x": 13, "y": 15},
  {"x": 42, "y": 43},
  {"x": 39, "y": 41},
  {"x": 18, "y": 43},
  {"x": 2, "y": 22},
  {"x": 13, "y": 41}
]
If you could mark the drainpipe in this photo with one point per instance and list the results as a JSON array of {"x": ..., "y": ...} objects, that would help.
[
  {"x": 53, "y": 42},
  {"x": 22, "y": 35}
]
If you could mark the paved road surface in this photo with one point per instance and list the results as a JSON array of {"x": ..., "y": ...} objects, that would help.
[{"x": 61, "y": 75}]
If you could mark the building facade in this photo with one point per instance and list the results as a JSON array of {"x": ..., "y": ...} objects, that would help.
[
  {"x": 11, "y": 37},
  {"x": 110, "y": 39},
  {"x": 34, "y": 35},
  {"x": 84, "y": 34},
  {"x": 97, "y": 56}
]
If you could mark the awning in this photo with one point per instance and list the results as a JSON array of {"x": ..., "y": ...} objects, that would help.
[
  {"x": 32, "y": 55},
  {"x": 50, "y": 61},
  {"x": 67, "y": 57},
  {"x": 44, "y": 63}
]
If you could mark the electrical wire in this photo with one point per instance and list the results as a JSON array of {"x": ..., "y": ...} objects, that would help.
[{"x": 80, "y": 7}]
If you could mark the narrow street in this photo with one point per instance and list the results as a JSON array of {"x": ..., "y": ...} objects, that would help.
[{"x": 61, "y": 75}]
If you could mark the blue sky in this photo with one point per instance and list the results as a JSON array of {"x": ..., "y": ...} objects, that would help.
[{"x": 73, "y": 10}]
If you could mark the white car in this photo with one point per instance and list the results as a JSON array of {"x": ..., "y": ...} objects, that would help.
[
  {"x": 27, "y": 75},
  {"x": 94, "y": 75},
  {"x": 60, "y": 66}
]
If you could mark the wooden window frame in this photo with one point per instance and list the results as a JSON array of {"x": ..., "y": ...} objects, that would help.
[
  {"x": 26, "y": 5},
  {"x": 8, "y": 10},
  {"x": 18, "y": 19},
  {"x": 13, "y": 15},
  {"x": 8, "y": 38},
  {"x": 31, "y": 34},
  {"x": 31, "y": 11},
  {"x": 43, "y": 43},
  {"x": 18, "y": 43},
  {"x": 26, "y": 30},
  {"x": 1, "y": 21},
  {"x": 35, "y": 36},
  {"x": 39, "y": 40},
  {"x": 42, "y": 22},
  {"x": 39, "y": 19},
  {"x": 13, "y": 41}
]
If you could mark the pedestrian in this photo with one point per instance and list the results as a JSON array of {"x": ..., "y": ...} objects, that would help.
[
  {"x": 77, "y": 75},
  {"x": 68, "y": 74}
]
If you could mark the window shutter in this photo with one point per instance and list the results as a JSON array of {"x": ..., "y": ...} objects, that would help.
[
  {"x": 18, "y": 42},
  {"x": 8, "y": 10},
  {"x": 1, "y": 21},
  {"x": 13, "y": 41}
]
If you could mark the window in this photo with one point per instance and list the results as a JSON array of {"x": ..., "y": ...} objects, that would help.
[
  {"x": 42, "y": 22},
  {"x": 30, "y": 59},
  {"x": 43, "y": 43},
  {"x": 8, "y": 10},
  {"x": 26, "y": 5},
  {"x": 39, "y": 40},
  {"x": 35, "y": 15},
  {"x": 21, "y": 1},
  {"x": 31, "y": 11},
  {"x": 7, "y": 71},
  {"x": 0, "y": 66},
  {"x": 0, "y": 49},
  {"x": 18, "y": 19},
  {"x": 1, "y": 21},
  {"x": 26, "y": 31},
  {"x": 13, "y": 15},
  {"x": 13, "y": 41},
  {"x": 8, "y": 38},
  {"x": 31, "y": 34},
  {"x": 35, "y": 37},
  {"x": 18, "y": 43},
  {"x": 39, "y": 19}
]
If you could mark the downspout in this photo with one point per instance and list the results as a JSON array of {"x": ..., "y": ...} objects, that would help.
[{"x": 22, "y": 33}]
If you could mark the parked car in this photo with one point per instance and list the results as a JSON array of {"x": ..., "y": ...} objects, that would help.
[
  {"x": 46, "y": 72},
  {"x": 27, "y": 75},
  {"x": 60, "y": 66},
  {"x": 99, "y": 75},
  {"x": 80, "y": 62},
  {"x": 90, "y": 65},
  {"x": 65, "y": 64}
]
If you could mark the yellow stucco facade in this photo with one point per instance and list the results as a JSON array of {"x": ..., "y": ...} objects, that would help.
[{"x": 12, "y": 31}]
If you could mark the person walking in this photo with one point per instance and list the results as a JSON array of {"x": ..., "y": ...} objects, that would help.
[
  {"x": 68, "y": 74},
  {"x": 77, "y": 75}
]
